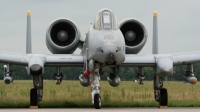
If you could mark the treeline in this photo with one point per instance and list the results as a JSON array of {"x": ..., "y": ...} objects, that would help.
[{"x": 72, "y": 73}]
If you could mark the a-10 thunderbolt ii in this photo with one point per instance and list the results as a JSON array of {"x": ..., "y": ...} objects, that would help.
[{"x": 107, "y": 44}]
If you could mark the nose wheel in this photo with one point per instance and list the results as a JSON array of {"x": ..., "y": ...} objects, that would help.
[
  {"x": 95, "y": 85},
  {"x": 97, "y": 101}
]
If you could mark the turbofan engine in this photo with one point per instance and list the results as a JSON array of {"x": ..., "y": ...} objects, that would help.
[
  {"x": 135, "y": 35},
  {"x": 62, "y": 37}
]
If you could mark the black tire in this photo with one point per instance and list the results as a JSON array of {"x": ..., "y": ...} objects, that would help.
[
  {"x": 163, "y": 97},
  {"x": 33, "y": 97},
  {"x": 154, "y": 87},
  {"x": 97, "y": 101}
]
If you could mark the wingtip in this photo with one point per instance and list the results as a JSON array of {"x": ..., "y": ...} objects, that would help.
[
  {"x": 155, "y": 13},
  {"x": 28, "y": 13}
]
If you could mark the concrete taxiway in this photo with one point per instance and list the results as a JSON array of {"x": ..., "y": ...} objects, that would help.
[{"x": 153, "y": 109}]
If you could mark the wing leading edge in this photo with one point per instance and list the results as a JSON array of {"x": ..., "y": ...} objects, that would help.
[
  {"x": 71, "y": 60},
  {"x": 14, "y": 58},
  {"x": 150, "y": 60},
  {"x": 139, "y": 60}
]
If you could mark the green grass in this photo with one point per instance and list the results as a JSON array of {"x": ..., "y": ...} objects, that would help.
[{"x": 72, "y": 94}]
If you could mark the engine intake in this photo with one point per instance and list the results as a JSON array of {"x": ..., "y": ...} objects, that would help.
[
  {"x": 62, "y": 37},
  {"x": 135, "y": 35}
]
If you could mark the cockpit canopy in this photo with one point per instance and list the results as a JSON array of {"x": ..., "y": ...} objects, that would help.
[{"x": 105, "y": 19}]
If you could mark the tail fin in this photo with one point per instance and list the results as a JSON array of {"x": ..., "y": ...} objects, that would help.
[
  {"x": 155, "y": 34},
  {"x": 28, "y": 34}
]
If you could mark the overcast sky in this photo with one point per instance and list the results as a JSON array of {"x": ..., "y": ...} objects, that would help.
[{"x": 178, "y": 21}]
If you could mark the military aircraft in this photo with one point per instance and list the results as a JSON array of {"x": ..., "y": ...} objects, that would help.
[{"x": 107, "y": 44}]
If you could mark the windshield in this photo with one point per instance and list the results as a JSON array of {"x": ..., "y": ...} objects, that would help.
[
  {"x": 97, "y": 22},
  {"x": 105, "y": 19},
  {"x": 115, "y": 24},
  {"x": 107, "y": 23}
]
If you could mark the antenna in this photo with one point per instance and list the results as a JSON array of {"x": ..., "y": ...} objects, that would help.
[
  {"x": 155, "y": 34},
  {"x": 28, "y": 34}
]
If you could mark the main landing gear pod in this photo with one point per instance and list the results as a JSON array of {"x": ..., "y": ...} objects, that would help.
[{"x": 164, "y": 68}]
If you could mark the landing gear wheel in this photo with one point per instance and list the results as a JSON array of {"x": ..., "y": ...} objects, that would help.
[
  {"x": 33, "y": 97},
  {"x": 97, "y": 101},
  {"x": 163, "y": 97},
  {"x": 156, "y": 96}
]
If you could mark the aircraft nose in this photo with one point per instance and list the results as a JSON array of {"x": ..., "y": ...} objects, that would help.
[{"x": 109, "y": 49}]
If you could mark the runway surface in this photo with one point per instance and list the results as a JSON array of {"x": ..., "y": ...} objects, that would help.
[{"x": 153, "y": 109}]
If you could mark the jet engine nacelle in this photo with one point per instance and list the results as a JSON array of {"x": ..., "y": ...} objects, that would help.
[
  {"x": 114, "y": 81},
  {"x": 62, "y": 37},
  {"x": 84, "y": 80},
  {"x": 135, "y": 35},
  {"x": 8, "y": 80}
]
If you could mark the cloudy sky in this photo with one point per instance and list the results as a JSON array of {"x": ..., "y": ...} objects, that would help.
[{"x": 178, "y": 21}]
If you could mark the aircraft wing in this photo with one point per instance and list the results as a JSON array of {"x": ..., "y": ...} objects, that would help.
[
  {"x": 139, "y": 60},
  {"x": 72, "y": 60},
  {"x": 148, "y": 60},
  {"x": 49, "y": 60},
  {"x": 186, "y": 58},
  {"x": 14, "y": 58}
]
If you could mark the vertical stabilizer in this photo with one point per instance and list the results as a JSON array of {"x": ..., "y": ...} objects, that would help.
[
  {"x": 28, "y": 34},
  {"x": 155, "y": 34}
]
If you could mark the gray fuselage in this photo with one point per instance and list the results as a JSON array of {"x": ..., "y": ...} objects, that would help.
[{"x": 105, "y": 46}]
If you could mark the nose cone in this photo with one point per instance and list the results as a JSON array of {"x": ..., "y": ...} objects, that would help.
[
  {"x": 109, "y": 49},
  {"x": 36, "y": 69},
  {"x": 110, "y": 53}
]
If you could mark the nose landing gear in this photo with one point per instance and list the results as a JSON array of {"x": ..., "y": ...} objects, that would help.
[{"x": 95, "y": 85}]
